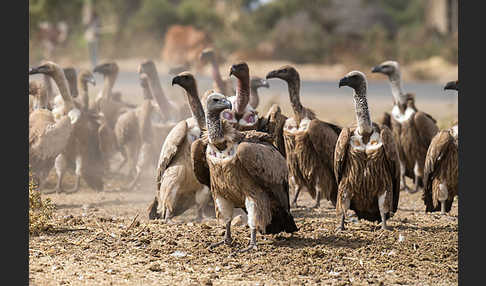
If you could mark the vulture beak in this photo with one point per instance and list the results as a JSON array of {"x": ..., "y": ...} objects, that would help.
[
  {"x": 92, "y": 80},
  {"x": 376, "y": 69},
  {"x": 36, "y": 70},
  {"x": 272, "y": 74},
  {"x": 232, "y": 71},
  {"x": 103, "y": 68},
  {"x": 226, "y": 103},
  {"x": 451, "y": 85},
  {"x": 265, "y": 83},
  {"x": 175, "y": 80},
  {"x": 343, "y": 82}
]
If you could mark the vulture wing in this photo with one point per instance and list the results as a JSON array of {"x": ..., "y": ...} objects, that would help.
[
  {"x": 267, "y": 166},
  {"x": 435, "y": 153},
  {"x": 393, "y": 164},
  {"x": 426, "y": 127},
  {"x": 199, "y": 163},
  {"x": 273, "y": 123},
  {"x": 340, "y": 153},
  {"x": 172, "y": 142}
]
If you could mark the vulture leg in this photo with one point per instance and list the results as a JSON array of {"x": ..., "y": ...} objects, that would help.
[
  {"x": 418, "y": 178},
  {"x": 227, "y": 237},
  {"x": 60, "y": 165},
  {"x": 202, "y": 199},
  {"x": 403, "y": 184},
  {"x": 383, "y": 210},
  {"x": 125, "y": 159},
  {"x": 342, "y": 206},
  {"x": 225, "y": 208},
  {"x": 318, "y": 195},
  {"x": 252, "y": 245},
  {"x": 297, "y": 189},
  {"x": 341, "y": 227},
  {"x": 142, "y": 161},
  {"x": 443, "y": 194},
  {"x": 153, "y": 210},
  {"x": 79, "y": 164}
]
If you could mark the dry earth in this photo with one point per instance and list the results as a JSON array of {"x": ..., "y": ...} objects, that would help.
[{"x": 106, "y": 239}]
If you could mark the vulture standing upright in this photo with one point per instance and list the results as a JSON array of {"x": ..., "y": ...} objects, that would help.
[
  {"x": 224, "y": 86},
  {"x": 412, "y": 129},
  {"x": 49, "y": 131},
  {"x": 309, "y": 144},
  {"x": 441, "y": 172},
  {"x": 177, "y": 187},
  {"x": 366, "y": 162},
  {"x": 245, "y": 171}
]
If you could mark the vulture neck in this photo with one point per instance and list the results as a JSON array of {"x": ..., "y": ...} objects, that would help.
[
  {"x": 158, "y": 93},
  {"x": 109, "y": 82},
  {"x": 217, "y": 75},
  {"x": 397, "y": 91},
  {"x": 41, "y": 98},
  {"x": 48, "y": 87},
  {"x": 294, "y": 93},
  {"x": 362, "y": 112},
  {"x": 254, "y": 99},
  {"x": 197, "y": 110},
  {"x": 62, "y": 85},
  {"x": 215, "y": 128},
  {"x": 242, "y": 94},
  {"x": 83, "y": 93}
]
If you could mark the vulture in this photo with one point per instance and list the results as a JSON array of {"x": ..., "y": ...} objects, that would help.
[
  {"x": 366, "y": 162},
  {"x": 177, "y": 186},
  {"x": 49, "y": 133},
  {"x": 245, "y": 171},
  {"x": 255, "y": 84},
  {"x": 441, "y": 172},
  {"x": 169, "y": 110},
  {"x": 224, "y": 86},
  {"x": 82, "y": 153},
  {"x": 309, "y": 144},
  {"x": 72, "y": 79},
  {"x": 412, "y": 129}
]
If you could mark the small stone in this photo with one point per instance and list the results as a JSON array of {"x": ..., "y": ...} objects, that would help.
[{"x": 155, "y": 267}]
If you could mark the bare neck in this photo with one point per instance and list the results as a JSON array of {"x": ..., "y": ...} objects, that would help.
[
  {"x": 83, "y": 93},
  {"x": 158, "y": 93},
  {"x": 62, "y": 85},
  {"x": 197, "y": 110},
  {"x": 254, "y": 99},
  {"x": 362, "y": 112},
  {"x": 217, "y": 76},
  {"x": 397, "y": 89},
  {"x": 294, "y": 94},
  {"x": 215, "y": 128},
  {"x": 242, "y": 95}
]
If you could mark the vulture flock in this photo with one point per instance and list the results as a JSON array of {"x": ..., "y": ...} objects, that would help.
[{"x": 218, "y": 153}]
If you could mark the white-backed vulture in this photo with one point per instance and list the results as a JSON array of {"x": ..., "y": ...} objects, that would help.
[
  {"x": 135, "y": 134},
  {"x": 412, "y": 129},
  {"x": 177, "y": 187},
  {"x": 169, "y": 110},
  {"x": 309, "y": 144},
  {"x": 82, "y": 153},
  {"x": 245, "y": 171},
  {"x": 366, "y": 162},
  {"x": 48, "y": 135},
  {"x": 255, "y": 84},
  {"x": 224, "y": 86},
  {"x": 72, "y": 79},
  {"x": 441, "y": 171}
]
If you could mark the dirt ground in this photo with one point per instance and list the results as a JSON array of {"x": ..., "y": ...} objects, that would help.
[{"x": 106, "y": 239}]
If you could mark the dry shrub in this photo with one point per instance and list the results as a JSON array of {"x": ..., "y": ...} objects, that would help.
[{"x": 40, "y": 211}]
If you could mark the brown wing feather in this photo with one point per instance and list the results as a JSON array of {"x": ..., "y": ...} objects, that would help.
[
  {"x": 340, "y": 153},
  {"x": 171, "y": 145},
  {"x": 425, "y": 126},
  {"x": 267, "y": 166},
  {"x": 273, "y": 123},
  {"x": 199, "y": 163},
  {"x": 391, "y": 155},
  {"x": 386, "y": 120},
  {"x": 323, "y": 137},
  {"x": 435, "y": 153}
]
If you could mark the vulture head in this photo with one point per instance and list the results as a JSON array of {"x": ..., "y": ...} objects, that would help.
[
  {"x": 240, "y": 70},
  {"x": 454, "y": 85},
  {"x": 287, "y": 73},
  {"x": 216, "y": 103},
  {"x": 148, "y": 67},
  {"x": 388, "y": 68},
  {"x": 257, "y": 82},
  {"x": 106, "y": 68},
  {"x": 207, "y": 55},
  {"x": 87, "y": 76},
  {"x": 71, "y": 76},
  {"x": 354, "y": 79},
  {"x": 185, "y": 80},
  {"x": 47, "y": 68}
]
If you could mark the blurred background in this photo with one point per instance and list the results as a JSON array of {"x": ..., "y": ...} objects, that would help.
[{"x": 323, "y": 39}]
